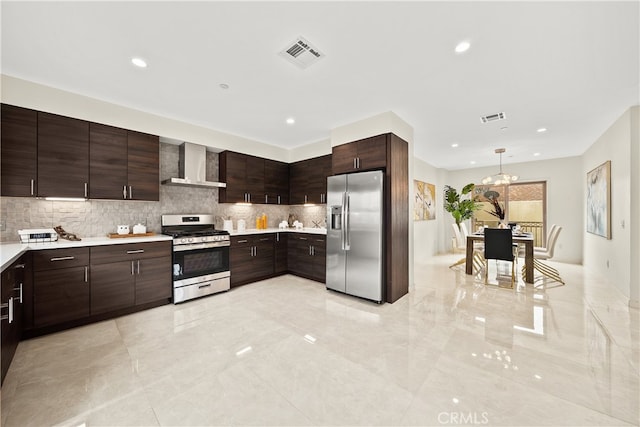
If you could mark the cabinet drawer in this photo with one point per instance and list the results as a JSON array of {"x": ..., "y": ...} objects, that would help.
[
  {"x": 53, "y": 259},
  {"x": 132, "y": 251},
  {"x": 240, "y": 241}
]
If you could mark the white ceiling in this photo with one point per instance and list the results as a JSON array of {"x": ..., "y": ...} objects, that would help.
[{"x": 572, "y": 67}]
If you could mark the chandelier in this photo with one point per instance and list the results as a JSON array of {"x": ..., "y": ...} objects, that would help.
[{"x": 501, "y": 178}]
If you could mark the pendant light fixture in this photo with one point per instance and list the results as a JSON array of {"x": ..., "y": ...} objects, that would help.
[{"x": 501, "y": 178}]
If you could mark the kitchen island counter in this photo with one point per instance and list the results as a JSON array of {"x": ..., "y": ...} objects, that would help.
[{"x": 11, "y": 251}]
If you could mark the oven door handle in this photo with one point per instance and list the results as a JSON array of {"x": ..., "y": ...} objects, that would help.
[{"x": 196, "y": 246}]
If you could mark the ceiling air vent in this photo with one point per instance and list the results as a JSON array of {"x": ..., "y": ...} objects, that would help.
[
  {"x": 493, "y": 117},
  {"x": 301, "y": 52}
]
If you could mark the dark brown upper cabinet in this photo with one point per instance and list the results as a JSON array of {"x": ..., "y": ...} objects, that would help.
[
  {"x": 308, "y": 180},
  {"x": 276, "y": 182},
  {"x": 244, "y": 176},
  {"x": 365, "y": 154},
  {"x": 63, "y": 156},
  {"x": 19, "y": 151},
  {"x": 107, "y": 162},
  {"x": 143, "y": 166}
]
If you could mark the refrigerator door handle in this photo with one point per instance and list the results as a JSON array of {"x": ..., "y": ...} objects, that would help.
[
  {"x": 347, "y": 231},
  {"x": 342, "y": 219}
]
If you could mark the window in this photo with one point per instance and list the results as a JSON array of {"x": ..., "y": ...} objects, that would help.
[{"x": 522, "y": 203}]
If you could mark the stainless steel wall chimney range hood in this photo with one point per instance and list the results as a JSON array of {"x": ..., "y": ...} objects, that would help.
[{"x": 193, "y": 168}]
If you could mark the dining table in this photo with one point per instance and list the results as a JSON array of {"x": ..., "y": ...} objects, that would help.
[{"x": 525, "y": 239}]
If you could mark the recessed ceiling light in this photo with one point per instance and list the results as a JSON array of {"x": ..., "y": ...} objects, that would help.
[
  {"x": 541, "y": 130},
  {"x": 291, "y": 121},
  {"x": 473, "y": 162},
  {"x": 139, "y": 62},
  {"x": 536, "y": 154},
  {"x": 463, "y": 46},
  {"x": 223, "y": 86},
  {"x": 454, "y": 145}
]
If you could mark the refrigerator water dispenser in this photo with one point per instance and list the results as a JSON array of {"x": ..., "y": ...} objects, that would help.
[{"x": 336, "y": 217}]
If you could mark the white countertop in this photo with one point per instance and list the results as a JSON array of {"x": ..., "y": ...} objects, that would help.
[
  {"x": 279, "y": 230},
  {"x": 9, "y": 252}
]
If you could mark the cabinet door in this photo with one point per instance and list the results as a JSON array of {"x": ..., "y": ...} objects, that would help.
[
  {"x": 11, "y": 328},
  {"x": 112, "y": 286},
  {"x": 61, "y": 295},
  {"x": 255, "y": 179},
  {"x": 63, "y": 156},
  {"x": 232, "y": 172},
  {"x": 107, "y": 162},
  {"x": 263, "y": 256},
  {"x": 318, "y": 170},
  {"x": 343, "y": 158},
  {"x": 153, "y": 280},
  {"x": 298, "y": 179},
  {"x": 372, "y": 153},
  {"x": 319, "y": 258},
  {"x": 19, "y": 151},
  {"x": 143, "y": 166},
  {"x": 299, "y": 254},
  {"x": 280, "y": 253},
  {"x": 240, "y": 260},
  {"x": 276, "y": 182}
]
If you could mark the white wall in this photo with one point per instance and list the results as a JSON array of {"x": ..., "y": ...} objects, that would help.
[
  {"x": 27, "y": 94},
  {"x": 428, "y": 234},
  {"x": 634, "y": 226},
  {"x": 565, "y": 204},
  {"x": 309, "y": 151},
  {"x": 612, "y": 258}
]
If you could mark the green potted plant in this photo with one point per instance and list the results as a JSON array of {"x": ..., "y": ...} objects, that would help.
[{"x": 461, "y": 209}]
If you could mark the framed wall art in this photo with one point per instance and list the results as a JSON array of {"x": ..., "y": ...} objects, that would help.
[
  {"x": 424, "y": 207},
  {"x": 599, "y": 200}
]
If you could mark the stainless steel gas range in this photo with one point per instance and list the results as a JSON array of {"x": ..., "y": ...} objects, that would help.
[{"x": 200, "y": 256}]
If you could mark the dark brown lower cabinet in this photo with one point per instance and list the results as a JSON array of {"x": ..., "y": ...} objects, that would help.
[
  {"x": 280, "y": 253},
  {"x": 112, "y": 286},
  {"x": 307, "y": 255},
  {"x": 12, "y": 303},
  {"x": 153, "y": 280},
  {"x": 251, "y": 258},
  {"x": 61, "y": 295}
]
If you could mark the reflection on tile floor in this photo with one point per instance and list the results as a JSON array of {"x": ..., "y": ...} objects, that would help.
[{"x": 286, "y": 351}]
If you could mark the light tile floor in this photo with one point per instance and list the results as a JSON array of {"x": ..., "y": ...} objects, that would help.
[{"x": 286, "y": 351}]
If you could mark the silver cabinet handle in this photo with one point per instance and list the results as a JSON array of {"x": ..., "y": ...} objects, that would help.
[
  {"x": 86, "y": 274},
  {"x": 265, "y": 239},
  {"x": 354, "y": 163},
  {"x": 11, "y": 310},
  {"x": 309, "y": 249},
  {"x": 242, "y": 241},
  {"x": 277, "y": 237},
  {"x": 124, "y": 192},
  {"x": 204, "y": 286},
  {"x": 137, "y": 251},
  {"x": 302, "y": 238},
  {"x": 86, "y": 192},
  {"x": 138, "y": 266},
  {"x": 18, "y": 266},
  {"x": 130, "y": 193},
  {"x": 132, "y": 273},
  {"x": 305, "y": 198},
  {"x": 62, "y": 258},
  {"x": 278, "y": 199},
  {"x": 32, "y": 186},
  {"x": 266, "y": 199}
]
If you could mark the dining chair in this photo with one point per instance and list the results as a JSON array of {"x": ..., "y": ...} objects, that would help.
[
  {"x": 459, "y": 243},
  {"x": 498, "y": 245},
  {"x": 546, "y": 253}
]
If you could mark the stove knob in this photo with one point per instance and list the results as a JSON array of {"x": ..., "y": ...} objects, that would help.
[
  {"x": 183, "y": 240},
  {"x": 190, "y": 239},
  {"x": 204, "y": 240}
]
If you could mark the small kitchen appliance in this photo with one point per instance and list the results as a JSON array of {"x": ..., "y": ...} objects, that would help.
[
  {"x": 200, "y": 256},
  {"x": 38, "y": 235}
]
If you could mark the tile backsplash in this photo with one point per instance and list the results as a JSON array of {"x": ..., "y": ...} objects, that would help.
[{"x": 100, "y": 217}]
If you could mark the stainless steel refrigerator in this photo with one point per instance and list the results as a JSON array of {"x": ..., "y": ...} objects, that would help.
[{"x": 355, "y": 234}]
